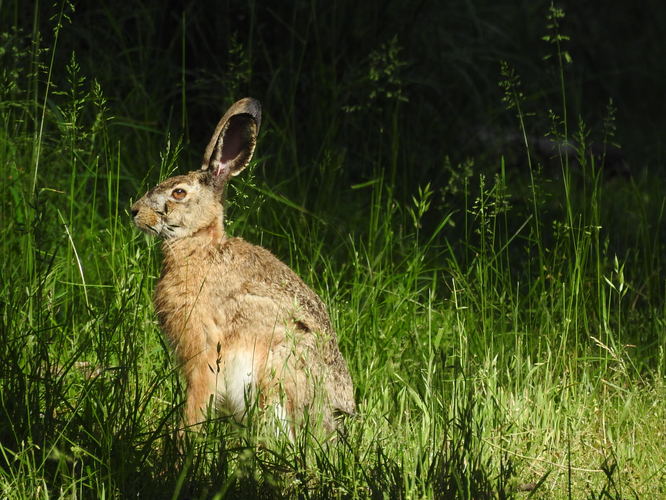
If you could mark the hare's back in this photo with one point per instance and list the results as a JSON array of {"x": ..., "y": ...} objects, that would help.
[{"x": 260, "y": 272}]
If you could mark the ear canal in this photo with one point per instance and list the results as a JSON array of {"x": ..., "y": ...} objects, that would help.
[{"x": 232, "y": 145}]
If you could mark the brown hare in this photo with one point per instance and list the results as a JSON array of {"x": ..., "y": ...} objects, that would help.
[{"x": 244, "y": 327}]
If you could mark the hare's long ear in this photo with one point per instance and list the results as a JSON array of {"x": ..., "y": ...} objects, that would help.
[{"x": 230, "y": 149}]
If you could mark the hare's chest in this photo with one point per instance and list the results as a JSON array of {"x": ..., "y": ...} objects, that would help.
[{"x": 194, "y": 308}]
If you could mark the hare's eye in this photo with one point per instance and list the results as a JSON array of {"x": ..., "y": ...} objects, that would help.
[{"x": 178, "y": 194}]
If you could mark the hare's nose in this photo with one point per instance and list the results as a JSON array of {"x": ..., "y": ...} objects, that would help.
[{"x": 134, "y": 212}]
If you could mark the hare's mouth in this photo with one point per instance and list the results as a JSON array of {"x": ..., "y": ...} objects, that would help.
[
  {"x": 146, "y": 228},
  {"x": 149, "y": 229},
  {"x": 168, "y": 230}
]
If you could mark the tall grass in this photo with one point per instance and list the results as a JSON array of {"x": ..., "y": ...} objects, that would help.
[{"x": 504, "y": 326}]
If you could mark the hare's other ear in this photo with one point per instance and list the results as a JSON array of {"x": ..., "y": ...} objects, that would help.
[{"x": 230, "y": 149}]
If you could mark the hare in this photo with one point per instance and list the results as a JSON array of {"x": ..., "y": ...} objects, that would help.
[{"x": 244, "y": 327}]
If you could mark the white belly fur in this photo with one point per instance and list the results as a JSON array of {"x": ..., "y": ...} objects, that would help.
[
  {"x": 239, "y": 388},
  {"x": 239, "y": 391}
]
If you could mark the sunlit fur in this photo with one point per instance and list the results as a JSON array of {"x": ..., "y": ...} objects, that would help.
[
  {"x": 159, "y": 213},
  {"x": 244, "y": 327}
]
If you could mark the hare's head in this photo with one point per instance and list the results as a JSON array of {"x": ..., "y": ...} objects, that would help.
[{"x": 184, "y": 205}]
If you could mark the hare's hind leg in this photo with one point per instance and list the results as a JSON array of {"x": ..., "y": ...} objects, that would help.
[{"x": 292, "y": 384}]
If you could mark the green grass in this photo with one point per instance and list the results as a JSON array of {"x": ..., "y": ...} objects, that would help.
[{"x": 504, "y": 325}]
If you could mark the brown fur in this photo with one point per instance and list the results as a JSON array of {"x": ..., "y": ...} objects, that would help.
[{"x": 242, "y": 324}]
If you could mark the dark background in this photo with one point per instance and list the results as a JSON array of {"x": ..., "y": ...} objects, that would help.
[
  {"x": 176, "y": 65},
  {"x": 409, "y": 93}
]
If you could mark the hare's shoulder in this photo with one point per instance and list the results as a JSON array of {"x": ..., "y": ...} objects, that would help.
[
  {"x": 257, "y": 265},
  {"x": 253, "y": 260}
]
